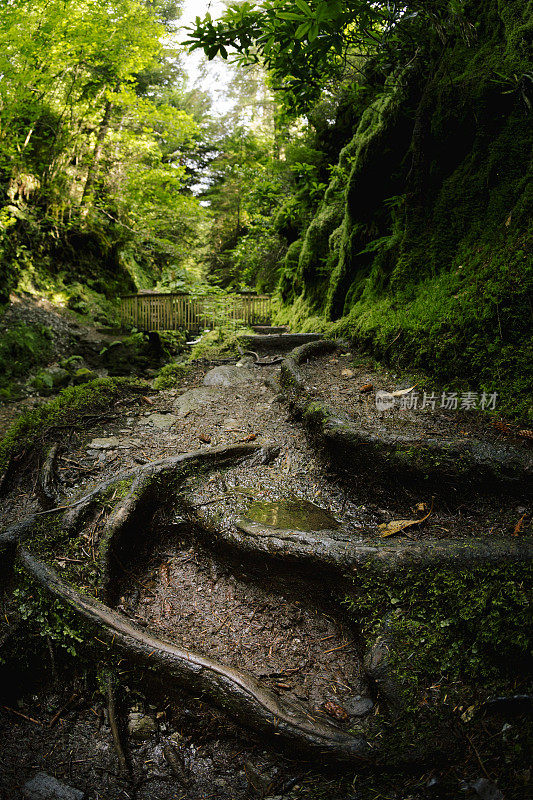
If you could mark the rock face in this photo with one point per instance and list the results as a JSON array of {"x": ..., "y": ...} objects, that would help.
[
  {"x": 45, "y": 787},
  {"x": 228, "y": 375}
]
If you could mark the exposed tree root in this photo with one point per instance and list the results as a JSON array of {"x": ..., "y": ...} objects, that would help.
[
  {"x": 117, "y": 730},
  {"x": 47, "y": 484},
  {"x": 337, "y": 549},
  {"x": 234, "y": 691}
]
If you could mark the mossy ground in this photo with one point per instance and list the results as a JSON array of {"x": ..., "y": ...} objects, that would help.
[{"x": 32, "y": 426}]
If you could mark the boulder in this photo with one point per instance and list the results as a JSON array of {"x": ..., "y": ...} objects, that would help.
[{"x": 228, "y": 375}]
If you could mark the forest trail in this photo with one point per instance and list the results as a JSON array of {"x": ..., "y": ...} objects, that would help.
[{"x": 187, "y": 578}]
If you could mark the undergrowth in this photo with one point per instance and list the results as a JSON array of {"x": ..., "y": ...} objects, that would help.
[
  {"x": 65, "y": 408},
  {"x": 21, "y": 347}
]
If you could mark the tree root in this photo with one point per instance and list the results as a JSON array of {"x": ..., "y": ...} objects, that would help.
[
  {"x": 117, "y": 730},
  {"x": 338, "y": 550},
  {"x": 47, "y": 484},
  {"x": 234, "y": 691}
]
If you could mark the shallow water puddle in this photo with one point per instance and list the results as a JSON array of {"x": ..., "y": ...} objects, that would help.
[{"x": 298, "y": 515}]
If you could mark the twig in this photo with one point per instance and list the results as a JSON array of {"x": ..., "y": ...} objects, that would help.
[
  {"x": 19, "y": 714},
  {"x": 61, "y": 710}
]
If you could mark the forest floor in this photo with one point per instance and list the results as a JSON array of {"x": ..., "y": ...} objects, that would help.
[{"x": 286, "y": 631}]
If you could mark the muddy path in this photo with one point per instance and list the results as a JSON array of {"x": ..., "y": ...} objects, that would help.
[{"x": 176, "y": 578}]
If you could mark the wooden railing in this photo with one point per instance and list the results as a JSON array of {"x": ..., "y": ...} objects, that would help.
[{"x": 168, "y": 312}]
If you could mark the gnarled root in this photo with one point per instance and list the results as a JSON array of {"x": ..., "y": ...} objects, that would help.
[{"x": 236, "y": 692}]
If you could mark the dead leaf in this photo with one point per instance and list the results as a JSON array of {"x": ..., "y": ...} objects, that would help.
[
  {"x": 251, "y": 438},
  {"x": 366, "y": 388},
  {"x": 204, "y": 438},
  {"x": 519, "y": 527},
  {"x": 398, "y": 525},
  {"x": 148, "y": 400},
  {"x": 164, "y": 574},
  {"x": 401, "y": 392},
  {"x": 335, "y": 710},
  {"x": 347, "y": 373}
]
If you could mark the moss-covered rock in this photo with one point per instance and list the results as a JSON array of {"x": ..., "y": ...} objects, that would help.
[{"x": 424, "y": 243}]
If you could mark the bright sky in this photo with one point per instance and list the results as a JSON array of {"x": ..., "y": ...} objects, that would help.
[{"x": 216, "y": 79}]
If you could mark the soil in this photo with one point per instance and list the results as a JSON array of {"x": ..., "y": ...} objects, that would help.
[
  {"x": 285, "y": 630},
  {"x": 275, "y": 627},
  {"x": 326, "y": 382}
]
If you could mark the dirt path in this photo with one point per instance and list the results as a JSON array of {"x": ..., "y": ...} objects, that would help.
[{"x": 284, "y": 629}]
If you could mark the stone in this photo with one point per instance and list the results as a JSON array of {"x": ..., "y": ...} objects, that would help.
[
  {"x": 141, "y": 726},
  {"x": 357, "y": 706},
  {"x": 161, "y": 421},
  {"x": 48, "y": 380},
  {"x": 228, "y": 375},
  {"x": 45, "y": 787},
  {"x": 104, "y": 444},
  {"x": 83, "y": 375},
  {"x": 194, "y": 399}
]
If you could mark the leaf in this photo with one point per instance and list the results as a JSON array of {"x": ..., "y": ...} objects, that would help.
[
  {"x": 401, "y": 392},
  {"x": 347, "y": 373},
  {"x": 302, "y": 30},
  {"x": 302, "y": 5},
  {"x": 367, "y": 387},
  {"x": 398, "y": 525},
  {"x": 335, "y": 710},
  {"x": 519, "y": 527}
]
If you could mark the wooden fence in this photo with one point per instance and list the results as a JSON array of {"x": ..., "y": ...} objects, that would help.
[{"x": 168, "y": 312}]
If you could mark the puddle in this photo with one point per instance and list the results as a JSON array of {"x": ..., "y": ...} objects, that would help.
[{"x": 299, "y": 515}]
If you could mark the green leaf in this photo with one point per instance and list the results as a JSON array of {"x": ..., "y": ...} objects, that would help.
[
  {"x": 302, "y": 30},
  {"x": 302, "y": 5}
]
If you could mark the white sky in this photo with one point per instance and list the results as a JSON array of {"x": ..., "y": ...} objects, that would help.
[{"x": 217, "y": 73}]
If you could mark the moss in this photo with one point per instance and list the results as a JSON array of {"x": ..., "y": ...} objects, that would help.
[
  {"x": 21, "y": 347},
  {"x": 467, "y": 626},
  {"x": 171, "y": 375},
  {"x": 63, "y": 409},
  {"x": 219, "y": 343},
  {"x": 430, "y": 268}
]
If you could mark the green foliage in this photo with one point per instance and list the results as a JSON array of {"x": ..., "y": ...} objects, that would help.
[
  {"x": 467, "y": 625},
  {"x": 171, "y": 375},
  {"x": 92, "y": 141},
  {"x": 222, "y": 342},
  {"x": 21, "y": 346},
  {"x": 419, "y": 250},
  {"x": 48, "y": 618},
  {"x": 65, "y": 408}
]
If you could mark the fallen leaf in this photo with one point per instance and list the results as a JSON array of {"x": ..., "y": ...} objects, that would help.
[
  {"x": 335, "y": 710},
  {"x": 251, "y": 438},
  {"x": 164, "y": 574},
  {"x": 401, "y": 392},
  {"x": 204, "y": 438},
  {"x": 366, "y": 388},
  {"x": 148, "y": 400},
  {"x": 519, "y": 527},
  {"x": 347, "y": 373},
  {"x": 398, "y": 525}
]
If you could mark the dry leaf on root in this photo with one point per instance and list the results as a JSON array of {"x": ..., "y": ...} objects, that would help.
[{"x": 398, "y": 525}]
